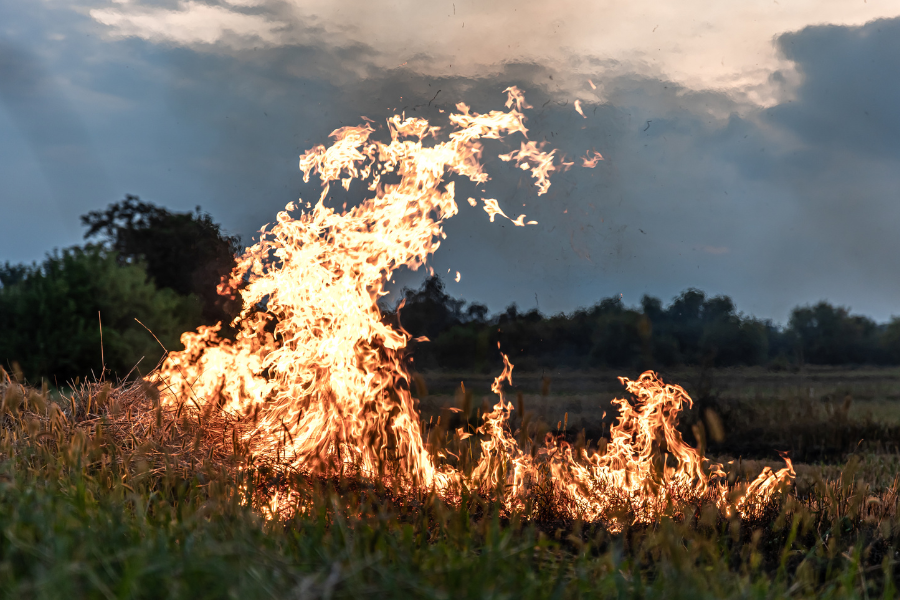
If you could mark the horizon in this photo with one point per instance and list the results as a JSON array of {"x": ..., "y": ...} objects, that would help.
[{"x": 397, "y": 289}]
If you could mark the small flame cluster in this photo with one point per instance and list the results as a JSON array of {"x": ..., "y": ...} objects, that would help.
[{"x": 320, "y": 374}]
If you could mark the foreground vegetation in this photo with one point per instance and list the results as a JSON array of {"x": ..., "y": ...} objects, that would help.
[{"x": 103, "y": 494}]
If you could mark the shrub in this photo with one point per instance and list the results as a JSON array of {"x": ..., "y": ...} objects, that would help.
[{"x": 49, "y": 316}]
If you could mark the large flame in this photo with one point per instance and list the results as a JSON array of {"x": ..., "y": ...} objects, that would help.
[{"x": 320, "y": 374}]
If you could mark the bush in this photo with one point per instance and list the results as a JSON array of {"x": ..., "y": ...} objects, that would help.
[{"x": 49, "y": 316}]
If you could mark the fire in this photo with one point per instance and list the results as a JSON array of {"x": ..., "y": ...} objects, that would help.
[
  {"x": 578, "y": 109},
  {"x": 320, "y": 376},
  {"x": 590, "y": 160}
]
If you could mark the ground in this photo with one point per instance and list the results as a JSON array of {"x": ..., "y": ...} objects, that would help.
[{"x": 103, "y": 497}]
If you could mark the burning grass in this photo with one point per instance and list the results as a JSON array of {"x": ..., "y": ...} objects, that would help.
[
  {"x": 817, "y": 414},
  {"x": 105, "y": 493},
  {"x": 317, "y": 380}
]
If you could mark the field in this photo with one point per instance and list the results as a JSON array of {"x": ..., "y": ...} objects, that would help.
[
  {"x": 104, "y": 496},
  {"x": 815, "y": 414}
]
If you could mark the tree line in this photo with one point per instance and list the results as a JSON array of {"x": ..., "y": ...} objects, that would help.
[
  {"x": 693, "y": 329},
  {"x": 146, "y": 274}
]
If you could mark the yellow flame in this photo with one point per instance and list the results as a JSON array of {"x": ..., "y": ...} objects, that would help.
[{"x": 319, "y": 375}]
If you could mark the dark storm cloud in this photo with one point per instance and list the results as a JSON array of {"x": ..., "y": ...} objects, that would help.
[
  {"x": 849, "y": 95},
  {"x": 697, "y": 189},
  {"x": 835, "y": 150}
]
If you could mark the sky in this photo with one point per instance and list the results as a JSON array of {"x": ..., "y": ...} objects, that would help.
[{"x": 751, "y": 148}]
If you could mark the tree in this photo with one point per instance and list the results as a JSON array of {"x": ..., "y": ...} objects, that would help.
[
  {"x": 830, "y": 335},
  {"x": 185, "y": 252},
  {"x": 891, "y": 341},
  {"x": 430, "y": 310},
  {"x": 618, "y": 340},
  {"x": 49, "y": 316},
  {"x": 12, "y": 274}
]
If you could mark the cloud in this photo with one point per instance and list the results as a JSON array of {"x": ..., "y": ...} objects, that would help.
[
  {"x": 698, "y": 188},
  {"x": 190, "y": 23},
  {"x": 848, "y": 96},
  {"x": 729, "y": 49},
  {"x": 775, "y": 200},
  {"x": 589, "y": 242},
  {"x": 834, "y": 152}
]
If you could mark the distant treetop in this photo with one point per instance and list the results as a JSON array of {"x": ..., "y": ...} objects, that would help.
[{"x": 185, "y": 252}]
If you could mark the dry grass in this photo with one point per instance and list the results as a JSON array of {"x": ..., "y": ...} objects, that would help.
[
  {"x": 816, "y": 414},
  {"x": 837, "y": 533},
  {"x": 138, "y": 436}
]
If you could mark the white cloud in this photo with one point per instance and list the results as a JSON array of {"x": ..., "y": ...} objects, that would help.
[
  {"x": 701, "y": 44},
  {"x": 191, "y": 23}
]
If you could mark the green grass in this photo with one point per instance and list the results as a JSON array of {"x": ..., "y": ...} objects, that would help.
[
  {"x": 85, "y": 512},
  {"x": 72, "y": 536}
]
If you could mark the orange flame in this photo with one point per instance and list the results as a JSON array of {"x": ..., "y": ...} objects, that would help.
[
  {"x": 320, "y": 374},
  {"x": 530, "y": 157},
  {"x": 578, "y": 109},
  {"x": 590, "y": 160}
]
